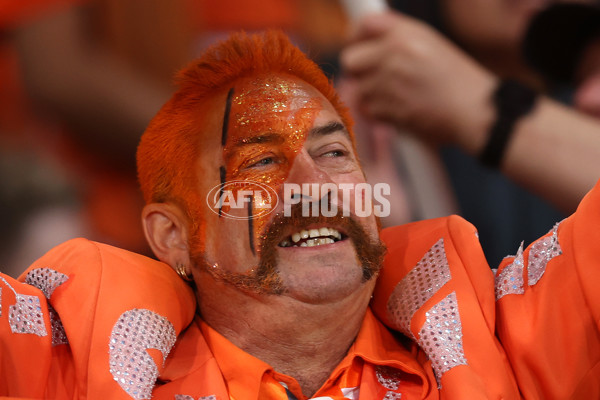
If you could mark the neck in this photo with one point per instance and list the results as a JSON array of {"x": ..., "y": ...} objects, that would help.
[{"x": 304, "y": 341}]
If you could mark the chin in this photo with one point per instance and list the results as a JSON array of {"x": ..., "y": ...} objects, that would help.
[{"x": 325, "y": 284}]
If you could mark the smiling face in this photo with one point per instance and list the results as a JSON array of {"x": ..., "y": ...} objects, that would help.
[{"x": 274, "y": 130}]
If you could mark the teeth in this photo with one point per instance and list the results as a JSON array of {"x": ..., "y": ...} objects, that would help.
[
  {"x": 317, "y": 237},
  {"x": 325, "y": 241}
]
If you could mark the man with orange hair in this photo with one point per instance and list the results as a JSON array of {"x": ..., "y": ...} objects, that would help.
[{"x": 275, "y": 301}]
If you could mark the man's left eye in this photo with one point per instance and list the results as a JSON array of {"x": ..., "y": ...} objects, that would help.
[{"x": 335, "y": 153}]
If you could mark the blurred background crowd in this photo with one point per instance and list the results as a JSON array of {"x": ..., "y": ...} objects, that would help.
[{"x": 80, "y": 80}]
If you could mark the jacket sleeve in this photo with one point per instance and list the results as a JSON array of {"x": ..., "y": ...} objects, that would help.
[
  {"x": 437, "y": 289},
  {"x": 96, "y": 322},
  {"x": 531, "y": 330},
  {"x": 25, "y": 342},
  {"x": 548, "y": 308}
]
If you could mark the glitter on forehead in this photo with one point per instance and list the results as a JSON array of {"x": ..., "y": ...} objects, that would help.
[
  {"x": 270, "y": 85},
  {"x": 271, "y": 94}
]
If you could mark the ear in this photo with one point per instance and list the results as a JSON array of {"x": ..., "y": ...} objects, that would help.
[{"x": 166, "y": 229}]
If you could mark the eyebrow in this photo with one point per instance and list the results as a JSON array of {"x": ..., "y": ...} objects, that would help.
[
  {"x": 331, "y": 127},
  {"x": 259, "y": 139},
  {"x": 278, "y": 138}
]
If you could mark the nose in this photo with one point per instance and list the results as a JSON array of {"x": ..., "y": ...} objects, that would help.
[
  {"x": 587, "y": 97},
  {"x": 305, "y": 171}
]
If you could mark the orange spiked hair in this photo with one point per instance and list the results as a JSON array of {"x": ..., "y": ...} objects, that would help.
[{"x": 169, "y": 146}]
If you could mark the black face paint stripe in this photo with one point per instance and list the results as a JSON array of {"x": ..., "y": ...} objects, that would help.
[
  {"x": 251, "y": 225},
  {"x": 226, "y": 117},
  {"x": 223, "y": 174},
  {"x": 223, "y": 170},
  {"x": 326, "y": 199}
]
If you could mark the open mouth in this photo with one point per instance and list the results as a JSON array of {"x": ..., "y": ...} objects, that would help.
[{"x": 312, "y": 237}]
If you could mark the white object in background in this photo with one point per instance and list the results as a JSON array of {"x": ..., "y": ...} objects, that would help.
[{"x": 359, "y": 8}]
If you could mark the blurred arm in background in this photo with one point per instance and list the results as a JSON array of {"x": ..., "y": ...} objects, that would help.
[{"x": 409, "y": 75}]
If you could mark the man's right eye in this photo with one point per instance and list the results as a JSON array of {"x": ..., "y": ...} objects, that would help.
[
  {"x": 263, "y": 162},
  {"x": 266, "y": 161}
]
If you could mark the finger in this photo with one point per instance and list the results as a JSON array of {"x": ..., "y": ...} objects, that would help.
[
  {"x": 376, "y": 32},
  {"x": 390, "y": 76},
  {"x": 374, "y": 98},
  {"x": 361, "y": 57},
  {"x": 381, "y": 111}
]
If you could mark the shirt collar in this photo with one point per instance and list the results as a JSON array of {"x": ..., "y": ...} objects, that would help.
[
  {"x": 242, "y": 372},
  {"x": 374, "y": 344}
]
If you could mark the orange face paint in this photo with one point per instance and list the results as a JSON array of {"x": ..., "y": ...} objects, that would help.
[
  {"x": 270, "y": 117},
  {"x": 266, "y": 122}
]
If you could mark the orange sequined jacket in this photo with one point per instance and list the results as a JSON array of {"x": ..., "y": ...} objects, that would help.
[{"x": 92, "y": 321}]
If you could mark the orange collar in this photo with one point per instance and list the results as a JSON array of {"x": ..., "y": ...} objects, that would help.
[{"x": 246, "y": 376}]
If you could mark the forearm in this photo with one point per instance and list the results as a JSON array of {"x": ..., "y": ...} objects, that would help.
[
  {"x": 410, "y": 76},
  {"x": 556, "y": 153},
  {"x": 553, "y": 151}
]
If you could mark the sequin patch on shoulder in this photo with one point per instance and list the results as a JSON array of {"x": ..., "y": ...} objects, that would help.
[
  {"x": 389, "y": 378},
  {"x": 392, "y": 396},
  {"x": 423, "y": 281},
  {"x": 542, "y": 251},
  {"x": 441, "y": 336},
  {"x": 59, "y": 335},
  {"x": 510, "y": 279},
  {"x": 130, "y": 365},
  {"x": 47, "y": 280},
  {"x": 26, "y": 316}
]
